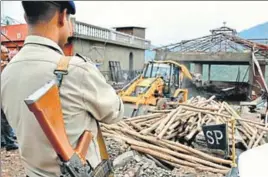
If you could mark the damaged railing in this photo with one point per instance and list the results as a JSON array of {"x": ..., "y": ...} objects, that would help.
[{"x": 85, "y": 29}]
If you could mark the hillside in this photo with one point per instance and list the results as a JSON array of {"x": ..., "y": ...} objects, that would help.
[{"x": 258, "y": 31}]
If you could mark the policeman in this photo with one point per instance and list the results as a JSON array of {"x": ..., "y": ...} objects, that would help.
[
  {"x": 85, "y": 95},
  {"x": 7, "y": 135}
]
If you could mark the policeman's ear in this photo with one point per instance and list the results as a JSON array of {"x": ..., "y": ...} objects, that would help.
[{"x": 63, "y": 17}]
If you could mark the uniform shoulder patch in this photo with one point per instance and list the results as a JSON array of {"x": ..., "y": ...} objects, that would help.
[{"x": 86, "y": 59}]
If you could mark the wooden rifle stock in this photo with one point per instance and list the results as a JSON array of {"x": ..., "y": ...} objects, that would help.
[{"x": 46, "y": 106}]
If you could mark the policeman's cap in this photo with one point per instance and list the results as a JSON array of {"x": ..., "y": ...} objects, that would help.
[{"x": 67, "y": 4}]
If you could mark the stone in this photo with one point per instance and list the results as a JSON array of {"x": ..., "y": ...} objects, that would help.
[
  {"x": 123, "y": 159},
  {"x": 137, "y": 157},
  {"x": 145, "y": 166},
  {"x": 131, "y": 172}
]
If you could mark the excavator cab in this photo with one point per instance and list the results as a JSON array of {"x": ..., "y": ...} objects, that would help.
[
  {"x": 160, "y": 82},
  {"x": 172, "y": 75}
]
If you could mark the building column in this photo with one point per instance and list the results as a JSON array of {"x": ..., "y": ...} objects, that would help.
[
  {"x": 209, "y": 72},
  {"x": 198, "y": 68}
]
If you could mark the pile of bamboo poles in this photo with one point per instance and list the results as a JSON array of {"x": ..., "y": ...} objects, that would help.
[
  {"x": 186, "y": 121},
  {"x": 157, "y": 134}
]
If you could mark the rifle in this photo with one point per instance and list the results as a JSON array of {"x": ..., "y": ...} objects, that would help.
[{"x": 46, "y": 106}]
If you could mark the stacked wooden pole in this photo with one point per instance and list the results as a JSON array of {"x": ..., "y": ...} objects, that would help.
[{"x": 157, "y": 134}]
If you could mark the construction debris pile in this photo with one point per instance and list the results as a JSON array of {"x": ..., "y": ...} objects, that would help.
[
  {"x": 130, "y": 163},
  {"x": 171, "y": 136}
]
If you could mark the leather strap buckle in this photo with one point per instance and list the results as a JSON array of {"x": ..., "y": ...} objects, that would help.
[
  {"x": 63, "y": 72},
  {"x": 62, "y": 68}
]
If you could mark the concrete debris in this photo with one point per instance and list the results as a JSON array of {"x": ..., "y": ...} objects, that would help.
[
  {"x": 115, "y": 147},
  {"x": 141, "y": 166},
  {"x": 132, "y": 172},
  {"x": 124, "y": 158}
]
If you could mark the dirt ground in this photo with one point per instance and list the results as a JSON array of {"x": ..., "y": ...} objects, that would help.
[{"x": 11, "y": 164}]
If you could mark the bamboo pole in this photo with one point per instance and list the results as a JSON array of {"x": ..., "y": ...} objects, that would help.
[
  {"x": 199, "y": 168},
  {"x": 142, "y": 117},
  {"x": 174, "y": 125},
  {"x": 126, "y": 125},
  {"x": 206, "y": 112},
  {"x": 250, "y": 144},
  {"x": 258, "y": 140},
  {"x": 136, "y": 126},
  {"x": 176, "y": 146},
  {"x": 161, "y": 134},
  {"x": 163, "y": 156},
  {"x": 251, "y": 122},
  {"x": 150, "y": 122},
  {"x": 197, "y": 107},
  {"x": 172, "y": 135},
  {"x": 164, "y": 121},
  {"x": 175, "y": 160},
  {"x": 153, "y": 127}
]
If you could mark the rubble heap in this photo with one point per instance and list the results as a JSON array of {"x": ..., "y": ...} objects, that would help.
[
  {"x": 169, "y": 136},
  {"x": 129, "y": 163}
]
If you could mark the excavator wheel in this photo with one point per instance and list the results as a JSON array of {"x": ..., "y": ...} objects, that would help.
[{"x": 161, "y": 104}]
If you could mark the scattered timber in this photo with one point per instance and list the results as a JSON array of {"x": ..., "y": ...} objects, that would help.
[{"x": 170, "y": 135}]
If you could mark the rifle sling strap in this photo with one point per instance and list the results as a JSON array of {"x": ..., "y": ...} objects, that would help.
[
  {"x": 60, "y": 71},
  {"x": 62, "y": 68},
  {"x": 102, "y": 148}
]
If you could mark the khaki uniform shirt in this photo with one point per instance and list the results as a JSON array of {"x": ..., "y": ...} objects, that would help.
[{"x": 85, "y": 96}]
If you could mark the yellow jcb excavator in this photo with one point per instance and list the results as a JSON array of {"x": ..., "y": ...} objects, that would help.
[{"x": 160, "y": 82}]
